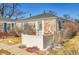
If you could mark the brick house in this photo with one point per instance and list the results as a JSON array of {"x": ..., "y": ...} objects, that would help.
[{"x": 35, "y": 31}]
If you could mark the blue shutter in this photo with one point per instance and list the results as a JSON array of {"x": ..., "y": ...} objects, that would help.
[
  {"x": 5, "y": 27},
  {"x": 12, "y": 26}
]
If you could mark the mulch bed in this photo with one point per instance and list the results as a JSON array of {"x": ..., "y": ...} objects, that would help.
[
  {"x": 6, "y": 34},
  {"x": 32, "y": 49}
]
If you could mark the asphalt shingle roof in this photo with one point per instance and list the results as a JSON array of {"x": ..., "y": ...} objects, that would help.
[
  {"x": 41, "y": 16},
  {"x": 37, "y": 17}
]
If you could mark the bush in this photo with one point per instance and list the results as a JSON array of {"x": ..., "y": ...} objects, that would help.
[{"x": 68, "y": 34}]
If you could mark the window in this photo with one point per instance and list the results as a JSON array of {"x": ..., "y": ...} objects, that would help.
[
  {"x": 40, "y": 25},
  {"x": 49, "y": 27},
  {"x": 29, "y": 28},
  {"x": 1, "y": 27}
]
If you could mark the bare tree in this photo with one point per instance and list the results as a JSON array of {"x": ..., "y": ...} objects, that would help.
[
  {"x": 49, "y": 12},
  {"x": 52, "y": 12},
  {"x": 66, "y": 16},
  {"x": 2, "y": 11},
  {"x": 10, "y": 11}
]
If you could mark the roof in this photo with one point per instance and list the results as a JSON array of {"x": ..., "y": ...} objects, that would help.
[
  {"x": 37, "y": 17},
  {"x": 41, "y": 16},
  {"x": 34, "y": 18}
]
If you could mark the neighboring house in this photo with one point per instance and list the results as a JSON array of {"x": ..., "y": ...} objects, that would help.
[{"x": 36, "y": 30}]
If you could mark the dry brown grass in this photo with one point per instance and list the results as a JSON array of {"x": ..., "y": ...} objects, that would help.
[
  {"x": 70, "y": 47},
  {"x": 11, "y": 40}
]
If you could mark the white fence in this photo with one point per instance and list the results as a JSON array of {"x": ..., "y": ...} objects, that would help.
[{"x": 31, "y": 40}]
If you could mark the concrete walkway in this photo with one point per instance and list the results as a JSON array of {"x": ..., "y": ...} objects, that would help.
[{"x": 15, "y": 50}]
